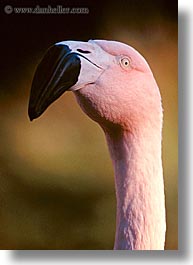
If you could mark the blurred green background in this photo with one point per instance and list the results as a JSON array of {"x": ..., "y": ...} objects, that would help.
[{"x": 56, "y": 178}]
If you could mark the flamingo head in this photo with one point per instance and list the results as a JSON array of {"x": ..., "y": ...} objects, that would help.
[{"x": 112, "y": 82}]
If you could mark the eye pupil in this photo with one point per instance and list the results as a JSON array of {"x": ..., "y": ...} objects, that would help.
[{"x": 125, "y": 62}]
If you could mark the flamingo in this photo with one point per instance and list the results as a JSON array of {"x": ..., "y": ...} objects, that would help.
[{"x": 115, "y": 87}]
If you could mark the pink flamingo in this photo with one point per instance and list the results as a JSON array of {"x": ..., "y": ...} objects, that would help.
[{"x": 115, "y": 87}]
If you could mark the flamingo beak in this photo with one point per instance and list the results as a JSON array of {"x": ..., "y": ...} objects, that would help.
[{"x": 65, "y": 66}]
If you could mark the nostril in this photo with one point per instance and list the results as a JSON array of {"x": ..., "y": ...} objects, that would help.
[{"x": 82, "y": 51}]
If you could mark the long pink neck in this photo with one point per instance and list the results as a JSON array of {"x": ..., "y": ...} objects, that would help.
[{"x": 140, "y": 221}]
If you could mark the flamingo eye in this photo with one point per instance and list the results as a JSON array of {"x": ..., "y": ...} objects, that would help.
[{"x": 125, "y": 62}]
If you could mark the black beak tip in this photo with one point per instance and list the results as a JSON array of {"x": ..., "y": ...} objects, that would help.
[
  {"x": 31, "y": 119},
  {"x": 57, "y": 72},
  {"x": 32, "y": 114}
]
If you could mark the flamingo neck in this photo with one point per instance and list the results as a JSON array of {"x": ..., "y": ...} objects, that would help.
[{"x": 140, "y": 220}]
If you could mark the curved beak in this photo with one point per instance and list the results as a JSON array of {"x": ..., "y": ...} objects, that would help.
[{"x": 68, "y": 65}]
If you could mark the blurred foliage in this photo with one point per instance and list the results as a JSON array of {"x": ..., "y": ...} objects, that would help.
[{"x": 56, "y": 178}]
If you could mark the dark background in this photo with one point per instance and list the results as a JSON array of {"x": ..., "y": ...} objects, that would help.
[{"x": 56, "y": 177}]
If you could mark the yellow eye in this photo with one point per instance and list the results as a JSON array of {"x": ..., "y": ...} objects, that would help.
[{"x": 125, "y": 62}]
